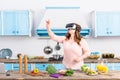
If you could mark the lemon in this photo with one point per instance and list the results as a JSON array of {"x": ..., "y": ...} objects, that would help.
[
  {"x": 102, "y": 68},
  {"x": 36, "y": 70},
  {"x": 99, "y": 67},
  {"x": 105, "y": 69}
]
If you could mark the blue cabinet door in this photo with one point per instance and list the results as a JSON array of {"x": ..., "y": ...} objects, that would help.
[
  {"x": 117, "y": 66},
  {"x": 16, "y": 67},
  {"x": 8, "y": 66},
  {"x": 9, "y": 23},
  {"x": 16, "y": 22},
  {"x": 115, "y": 24},
  {"x": 23, "y": 25},
  {"x": 107, "y": 23},
  {"x": 41, "y": 66},
  {"x": 0, "y": 24},
  {"x": 102, "y": 26},
  {"x": 59, "y": 66}
]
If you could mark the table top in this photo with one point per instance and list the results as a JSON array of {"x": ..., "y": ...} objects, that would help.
[{"x": 78, "y": 75}]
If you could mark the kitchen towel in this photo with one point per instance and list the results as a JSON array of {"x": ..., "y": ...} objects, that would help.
[{"x": 2, "y": 70}]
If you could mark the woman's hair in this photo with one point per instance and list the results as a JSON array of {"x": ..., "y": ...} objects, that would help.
[{"x": 77, "y": 36}]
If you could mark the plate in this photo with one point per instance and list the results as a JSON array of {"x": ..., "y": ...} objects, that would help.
[{"x": 5, "y": 52}]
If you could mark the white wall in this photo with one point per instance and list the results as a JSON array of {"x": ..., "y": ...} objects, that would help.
[{"x": 34, "y": 45}]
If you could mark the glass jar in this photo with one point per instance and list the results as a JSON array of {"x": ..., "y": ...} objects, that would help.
[
  {"x": 94, "y": 55},
  {"x": 102, "y": 66}
]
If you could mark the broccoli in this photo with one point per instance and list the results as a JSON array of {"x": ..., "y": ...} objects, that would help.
[{"x": 69, "y": 72}]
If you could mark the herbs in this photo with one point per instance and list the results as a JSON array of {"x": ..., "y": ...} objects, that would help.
[{"x": 69, "y": 72}]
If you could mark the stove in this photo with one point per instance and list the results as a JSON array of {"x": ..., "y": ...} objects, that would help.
[{"x": 54, "y": 59}]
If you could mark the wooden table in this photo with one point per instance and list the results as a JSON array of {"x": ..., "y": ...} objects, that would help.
[{"x": 78, "y": 75}]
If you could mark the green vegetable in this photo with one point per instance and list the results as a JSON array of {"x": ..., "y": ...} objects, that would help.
[
  {"x": 69, "y": 72},
  {"x": 51, "y": 69}
]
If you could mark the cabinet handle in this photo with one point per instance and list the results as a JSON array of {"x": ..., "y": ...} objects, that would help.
[
  {"x": 43, "y": 65},
  {"x": 110, "y": 32},
  {"x": 107, "y": 32},
  {"x": 13, "y": 31},
  {"x": 17, "y": 31}
]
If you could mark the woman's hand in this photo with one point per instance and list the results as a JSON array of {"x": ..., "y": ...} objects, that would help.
[
  {"x": 79, "y": 59},
  {"x": 47, "y": 24}
]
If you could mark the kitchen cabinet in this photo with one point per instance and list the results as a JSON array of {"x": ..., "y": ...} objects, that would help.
[
  {"x": 111, "y": 66},
  {"x": 8, "y": 66},
  {"x": 14, "y": 66},
  {"x": 43, "y": 66},
  {"x": 0, "y": 24},
  {"x": 59, "y": 66},
  {"x": 16, "y": 22},
  {"x": 106, "y": 23},
  {"x": 117, "y": 66}
]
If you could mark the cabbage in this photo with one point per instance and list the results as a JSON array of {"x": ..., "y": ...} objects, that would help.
[{"x": 51, "y": 69}]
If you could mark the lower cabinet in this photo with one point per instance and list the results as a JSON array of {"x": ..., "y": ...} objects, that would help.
[
  {"x": 59, "y": 66},
  {"x": 111, "y": 66},
  {"x": 42, "y": 66},
  {"x": 14, "y": 66},
  {"x": 8, "y": 66},
  {"x": 116, "y": 66}
]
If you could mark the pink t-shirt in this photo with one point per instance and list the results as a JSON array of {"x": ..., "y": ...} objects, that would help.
[{"x": 73, "y": 51}]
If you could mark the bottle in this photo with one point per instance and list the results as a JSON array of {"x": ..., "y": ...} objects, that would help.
[
  {"x": 20, "y": 64},
  {"x": 25, "y": 64},
  {"x": 102, "y": 67}
]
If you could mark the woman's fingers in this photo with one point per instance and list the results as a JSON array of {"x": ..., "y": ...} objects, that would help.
[{"x": 48, "y": 21}]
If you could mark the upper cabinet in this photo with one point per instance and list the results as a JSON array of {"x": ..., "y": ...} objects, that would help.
[
  {"x": 0, "y": 24},
  {"x": 16, "y": 22},
  {"x": 106, "y": 23}
]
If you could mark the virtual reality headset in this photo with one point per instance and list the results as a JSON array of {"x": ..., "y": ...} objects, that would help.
[{"x": 72, "y": 25}]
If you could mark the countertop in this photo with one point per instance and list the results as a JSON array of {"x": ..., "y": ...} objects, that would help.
[
  {"x": 45, "y": 60},
  {"x": 78, "y": 75}
]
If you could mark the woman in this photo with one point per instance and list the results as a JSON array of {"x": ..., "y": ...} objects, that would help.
[{"x": 75, "y": 47}]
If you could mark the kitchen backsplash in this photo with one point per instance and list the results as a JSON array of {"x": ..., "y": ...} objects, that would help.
[{"x": 34, "y": 46}]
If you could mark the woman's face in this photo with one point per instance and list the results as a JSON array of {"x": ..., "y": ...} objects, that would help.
[{"x": 71, "y": 30}]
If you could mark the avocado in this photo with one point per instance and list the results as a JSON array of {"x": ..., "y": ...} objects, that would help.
[
  {"x": 103, "y": 55},
  {"x": 111, "y": 55}
]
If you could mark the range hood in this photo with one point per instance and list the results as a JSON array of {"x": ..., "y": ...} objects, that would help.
[
  {"x": 60, "y": 32},
  {"x": 59, "y": 17}
]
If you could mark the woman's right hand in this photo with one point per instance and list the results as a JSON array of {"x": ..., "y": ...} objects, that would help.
[{"x": 47, "y": 24}]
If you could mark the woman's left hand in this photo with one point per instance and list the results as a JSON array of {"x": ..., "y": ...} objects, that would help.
[{"x": 78, "y": 59}]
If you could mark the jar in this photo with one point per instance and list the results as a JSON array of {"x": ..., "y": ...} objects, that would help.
[
  {"x": 94, "y": 55},
  {"x": 102, "y": 66}
]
